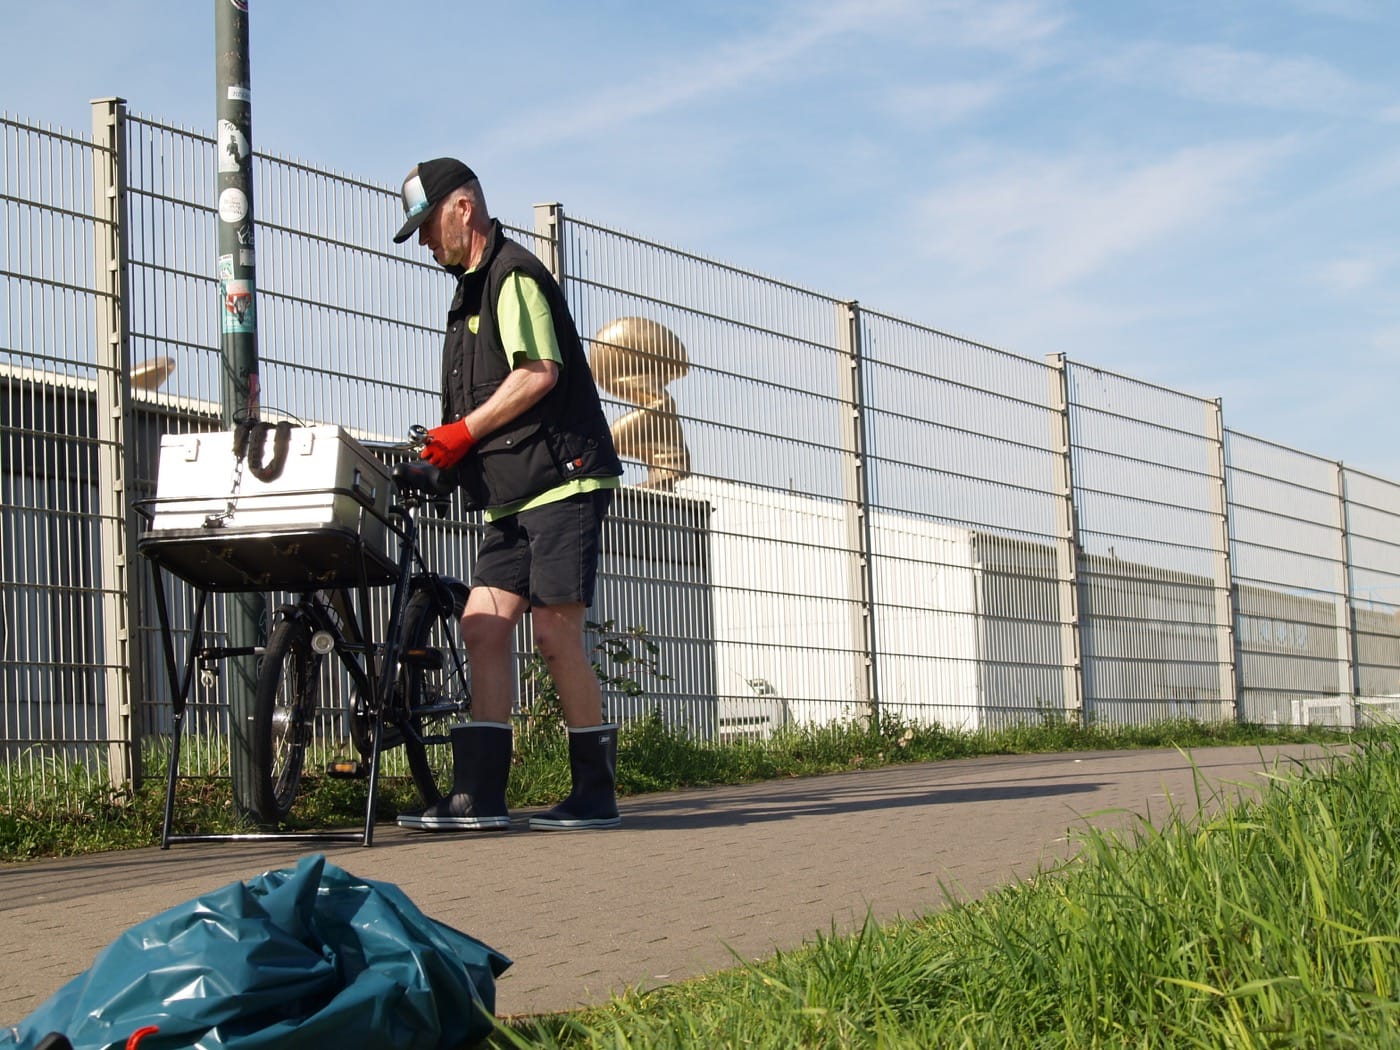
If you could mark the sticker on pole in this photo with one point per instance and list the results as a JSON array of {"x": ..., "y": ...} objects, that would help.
[
  {"x": 238, "y": 307},
  {"x": 233, "y": 147},
  {"x": 233, "y": 205}
]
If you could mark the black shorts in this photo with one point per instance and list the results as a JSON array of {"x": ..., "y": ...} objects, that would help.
[{"x": 549, "y": 555}]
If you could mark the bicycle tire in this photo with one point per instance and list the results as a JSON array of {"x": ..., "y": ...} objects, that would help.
[
  {"x": 265, "y": 782},
  {"x": 436, "y": 676}
]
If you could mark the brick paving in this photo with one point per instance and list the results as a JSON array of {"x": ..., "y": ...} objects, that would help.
[{"x": 691, "y": 882}]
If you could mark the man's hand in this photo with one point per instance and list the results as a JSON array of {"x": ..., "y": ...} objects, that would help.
[{"x": 447, "y": 444}]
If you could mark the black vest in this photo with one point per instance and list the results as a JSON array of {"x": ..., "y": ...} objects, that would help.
[{"x": 562, "y": 437}]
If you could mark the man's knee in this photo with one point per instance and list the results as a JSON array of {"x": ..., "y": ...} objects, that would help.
[
  {"x": 558, "y": 631},
  {"x": 489, "y": 620},
  {"x": 482, "y": 632}
]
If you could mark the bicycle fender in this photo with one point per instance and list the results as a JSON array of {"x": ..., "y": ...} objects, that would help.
[
  {"x": 311, "y": 614},
  {"x": 445, "y": 589}
]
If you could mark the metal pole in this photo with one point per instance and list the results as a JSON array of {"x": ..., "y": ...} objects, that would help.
[
  {"x": 234, "y": 185},
  {"x": 237, "y": 311},
  {"x": 1226, "y": 611},
  {"x": 549, "y": 228},
  {"x": 1067, "y": 548},
  {"x": 1348, "y": 647},
  {"x": 856, "y": 489},
  {"x": 114, "y": 452}
]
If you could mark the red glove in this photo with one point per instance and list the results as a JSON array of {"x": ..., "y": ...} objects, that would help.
[{"x": 447, "y": 444}]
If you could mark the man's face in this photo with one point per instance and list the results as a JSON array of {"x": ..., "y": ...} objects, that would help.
[{"x": 446, "y": 232}]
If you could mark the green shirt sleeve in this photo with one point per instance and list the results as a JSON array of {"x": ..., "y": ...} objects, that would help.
[{"x": 526, "y": 326}]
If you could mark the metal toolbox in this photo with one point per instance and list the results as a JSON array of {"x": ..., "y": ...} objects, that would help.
[{"x": 319, "y": 519}]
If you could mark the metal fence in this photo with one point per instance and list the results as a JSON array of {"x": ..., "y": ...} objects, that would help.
[{"x": 828, "y": 511}]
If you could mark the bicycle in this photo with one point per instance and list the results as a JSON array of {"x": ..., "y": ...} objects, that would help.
[{"x": 404, "y": 692}]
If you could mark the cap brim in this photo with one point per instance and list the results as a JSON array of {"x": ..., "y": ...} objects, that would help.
[{"x": 411, "y": 226}]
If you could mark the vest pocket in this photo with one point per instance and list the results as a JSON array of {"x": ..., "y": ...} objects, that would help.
[
  {"x": 517, "y": 463},
  {"x": 509, "y": 438}
]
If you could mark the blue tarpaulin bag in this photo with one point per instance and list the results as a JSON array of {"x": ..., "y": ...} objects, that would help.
[{"x": 308, "y": 957}]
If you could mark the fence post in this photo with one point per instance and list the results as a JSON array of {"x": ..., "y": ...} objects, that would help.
[
  {"x": 116, "y": 530},
  {"x": 549, "y": 227},
  {"x": 1067, "y": 539},
  {"x": 1348, "y": 658},
  {"x": 1226, "y": 644},
  {"x": 856, "y": 490}
]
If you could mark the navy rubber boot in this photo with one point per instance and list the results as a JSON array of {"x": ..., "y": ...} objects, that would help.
[
  {"x": 592, "y": 803},
  {"x": 480, "y": 770}
]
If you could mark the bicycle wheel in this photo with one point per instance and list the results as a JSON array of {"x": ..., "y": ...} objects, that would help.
[
  {"x": 265, "y": 781},
  {"x": 432, "y": 689}
]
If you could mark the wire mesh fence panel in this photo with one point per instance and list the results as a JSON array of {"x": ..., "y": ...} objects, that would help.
[
  {"x": 350, "y": 334},
  {"x": 1372, "y": 520},
  {"x": 1293, "y": 630},
  {"x": 826, "y": 512},
  {"x": 963, "y": 528},
  {"x": 1146, "y": 491},
  {"x": 723, "y": 391},
  {"x": 52, "y": 678}
]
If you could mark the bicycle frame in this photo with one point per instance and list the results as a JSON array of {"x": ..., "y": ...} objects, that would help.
[
  {"x": 410, "y": 557},
  {"x": 412, "y": 575}
]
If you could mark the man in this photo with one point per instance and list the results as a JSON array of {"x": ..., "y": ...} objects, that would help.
[{"x": 523, "y": 424}]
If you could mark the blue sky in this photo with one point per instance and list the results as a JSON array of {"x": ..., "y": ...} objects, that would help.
[{"x": 1199, "y": 193}]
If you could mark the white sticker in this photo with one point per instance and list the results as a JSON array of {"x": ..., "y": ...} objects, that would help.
[
  {"x": 233, "y": 205},
  {"x": 239, "y": 94},
  {"x": 226, "y": 267},
  {"x": 233, "y": 146}
]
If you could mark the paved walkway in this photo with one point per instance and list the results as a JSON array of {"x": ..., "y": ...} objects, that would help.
[{"x": 691, "y": 881}]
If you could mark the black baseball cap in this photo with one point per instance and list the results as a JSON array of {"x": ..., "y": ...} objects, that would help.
[{"x": 424, "y": 188}]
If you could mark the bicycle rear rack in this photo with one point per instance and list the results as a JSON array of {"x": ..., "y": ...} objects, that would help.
[{"x": 173, "y": 558}]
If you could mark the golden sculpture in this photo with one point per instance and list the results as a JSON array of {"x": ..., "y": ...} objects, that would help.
[{"x": 634, "y": 358}]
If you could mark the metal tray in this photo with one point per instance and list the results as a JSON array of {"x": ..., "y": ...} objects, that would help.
[{"x": 290, "y": 558}]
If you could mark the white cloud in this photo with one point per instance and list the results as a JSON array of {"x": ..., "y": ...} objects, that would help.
[
  {"x": 1386, "y": 343},
  {"x": 786, "y": 50},
  {"x": 1228, "y": 76},
  {"x": 1355, "y": 10},
  {"x": 947, "y": 103},
  {"x": 726, "y": 69},
  {"x": 1007, "y": 26},
  {"x": 1054, "y": 221},
  {"x": 1351, "y": 275}
]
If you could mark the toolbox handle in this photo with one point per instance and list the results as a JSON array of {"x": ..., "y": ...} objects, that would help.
[
  {"x": 364, "y": 491},
  {"x": 250, "y": 439}
]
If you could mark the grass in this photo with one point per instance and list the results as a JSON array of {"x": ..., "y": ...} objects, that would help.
[
  {"x": 1270, "y": 924},
  {"x": 65, "y": 810}
]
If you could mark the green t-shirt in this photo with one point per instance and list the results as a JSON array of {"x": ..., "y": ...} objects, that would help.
[{"x": 526, "y": 330}]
